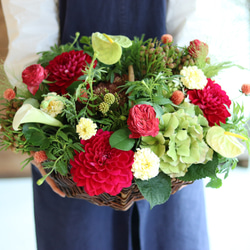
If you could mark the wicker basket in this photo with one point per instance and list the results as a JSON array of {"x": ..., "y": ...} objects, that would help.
[{"x": 122, "y": 202}]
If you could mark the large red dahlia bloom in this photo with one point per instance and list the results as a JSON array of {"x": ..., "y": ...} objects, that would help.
[
  {"x": 102, "y": 169},
  {"x": 211, "y": 100},
  {"x": 66, "y": 68}
]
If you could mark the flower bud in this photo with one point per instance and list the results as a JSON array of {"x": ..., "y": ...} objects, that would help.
[
  {"x": 9, "y": 94},
  {"x": 109, "y": 98},
  {"x": 177, "y": 97},
  {"x": 104, "y": 107},
  {"x": 166, "y": 38},
  {"x": 245, "y": 88},
  {"x": 33, "y": 76},
  {"x": 198, "y": 48}
]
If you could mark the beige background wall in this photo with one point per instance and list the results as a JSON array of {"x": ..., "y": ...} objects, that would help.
[{"x": 9, "y": 161}]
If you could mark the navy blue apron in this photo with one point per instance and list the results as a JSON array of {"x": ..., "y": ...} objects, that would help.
[{"x": 71, "y": 224}]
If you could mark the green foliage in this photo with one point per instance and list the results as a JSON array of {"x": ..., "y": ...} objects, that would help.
[
  {"x": 59, "y": 145},
  {"x": 237, "y": 123},
  {"x": 214, "y": 183},
  {"x": 46, "y": 56},
  {"x": 149, "y": 90},
  {"x": 211, "y": 70},
  {"x": 146, "y": 57},
  {"x": 120, "y": 140},
  {"x": 226, "y": 164},
  {"x": 35, "y": 136},
  {"x": 11, "y": 139},
  {"x": 156, "y": 190},
  {"x": 62, "y": 150},
  {"x": 200, "y": 171}
]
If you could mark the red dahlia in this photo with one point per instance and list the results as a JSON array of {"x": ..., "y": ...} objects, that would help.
[
  {"x": 211, "y": 100},
  {"x": 100, "y": 168},
  {"x": 66, "y": 68}
]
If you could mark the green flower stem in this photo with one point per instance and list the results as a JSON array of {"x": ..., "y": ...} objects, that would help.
[
  {"x": 89, "y": 78},
  {"x": 76, "y": 38},
  {"x": 41, "y": 180}
]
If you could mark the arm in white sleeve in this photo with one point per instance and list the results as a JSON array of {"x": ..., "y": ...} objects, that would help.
[
  {"x": 192, "y": 19},
  {"x": 32, "y": 27}
]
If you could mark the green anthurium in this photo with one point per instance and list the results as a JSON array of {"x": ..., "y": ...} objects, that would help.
[
  {"x": 108, "y": 48},
  {"x": 224, "y": 143},
  {"x": 27, "y": 113}
]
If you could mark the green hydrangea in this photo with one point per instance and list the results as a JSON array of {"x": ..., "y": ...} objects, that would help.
[{"x": 180, "y": 142}]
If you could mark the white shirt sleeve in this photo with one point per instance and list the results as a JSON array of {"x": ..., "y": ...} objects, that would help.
[
  {"x": 189, "y": 20},
  {"x": 32, "y": 26}
]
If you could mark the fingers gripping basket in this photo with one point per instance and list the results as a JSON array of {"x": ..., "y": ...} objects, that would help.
[{"x": 122, "y": 202}]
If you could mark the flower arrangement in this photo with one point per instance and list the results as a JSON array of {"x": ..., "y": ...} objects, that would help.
[{"x": 110, "y": 111}]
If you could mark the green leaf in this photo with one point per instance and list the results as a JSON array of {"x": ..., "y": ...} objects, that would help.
[
  {"x": 159, "y": 111},
  {"x": 85, "y": 40},
  {"x": 63, "y": 135},
  {"x": 200, "y": 171},
  {"x": 156, "y": 190},
  {"x": 214, "y": 183},
  {"x": 161, "y": 100},
  {"x": 62, "y": 167},
  {"x": 34, "y": 135},
  {"x": 120, "y": 140}
]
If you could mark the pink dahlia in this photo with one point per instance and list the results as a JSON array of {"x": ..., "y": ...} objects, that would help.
[
  {"x": 100, "y": 168},
  {"x": 65, "y": 69},
  {"x": 211, "y": 100},
  {"x": 142, "y": 121}
]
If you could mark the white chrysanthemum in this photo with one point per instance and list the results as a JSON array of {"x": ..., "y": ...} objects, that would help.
[
  {"x": 86, "y": 128},
  {"x": 146, "y": 164},
  {"x": 52, "y": 104},
  {"x": 193, "y": 78}
]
